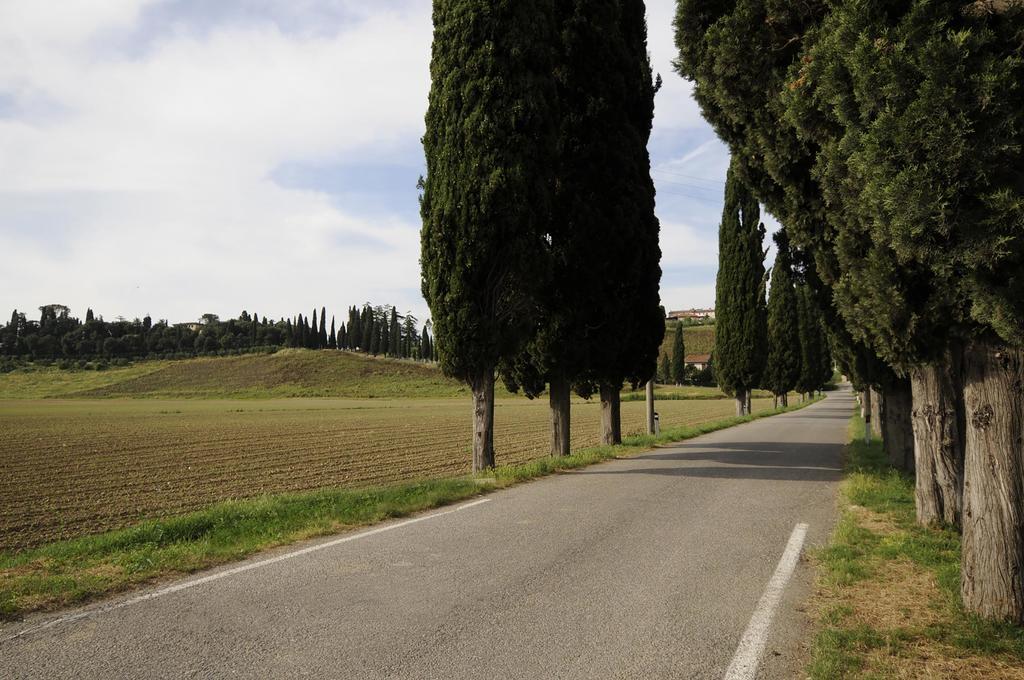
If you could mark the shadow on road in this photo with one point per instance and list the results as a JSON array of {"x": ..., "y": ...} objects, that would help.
[{"x": 740, "y": 460}]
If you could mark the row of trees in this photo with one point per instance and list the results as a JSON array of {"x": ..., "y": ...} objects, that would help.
[
  {"x": 779, "y": 343},
  {"x": 887, "y": 138},
  {"x": 58, "y": 335},
  {"x": 539, "y": 242}
]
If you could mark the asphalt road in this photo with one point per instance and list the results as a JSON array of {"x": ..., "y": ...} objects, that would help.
[{"x": 649, "y": 567}]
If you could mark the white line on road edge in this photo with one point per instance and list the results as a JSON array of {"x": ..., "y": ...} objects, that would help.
[
  {"x": 185, "y": 585},
  {"x": 748, "y": 654}
]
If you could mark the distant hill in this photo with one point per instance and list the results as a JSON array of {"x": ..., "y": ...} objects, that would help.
[
  {"x": 697, "y": 339},
  {"x": 288, "y": 373}
]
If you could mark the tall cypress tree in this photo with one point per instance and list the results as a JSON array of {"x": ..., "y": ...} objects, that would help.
[
  {"x": 741, "y": 323},
  {"x": 332, "y": 340},
  {"x": 592, "y": 166},
  {"x": 678, "y": 355},
  {"x": 488, "y": 145},
  {"x": 322, "y": 335},
  {"x": 607, "y": 193},
  {"x": 367, "y": 321},
  {"x": 394, "y": 335},
  {"x": 784, "y": 354}
]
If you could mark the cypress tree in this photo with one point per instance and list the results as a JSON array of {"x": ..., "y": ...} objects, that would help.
[
  {"x": 89, "y": 318},
  {"x": 332, "y": 340},
  {"x": 741, "y": 324},
  {"x": 289, "y": 334},
  {"x": 394, "y": 335},
  {"x": 784, "y": 354},
  {"x": 488, "y": 145},
  {"x": 322, "y": 336},
  {"x": 665, "y": 369},
  {"x": 366, "y": 321},
  {"x": 678, "y": 355},
  {"x": 810, "y": 349},
  {"x": 314, "y": 334},
  {"x": 944, "y": 260},
  {"x": 607, "y": 198}
]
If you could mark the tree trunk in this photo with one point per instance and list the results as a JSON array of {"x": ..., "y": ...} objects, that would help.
[
  {"x": 876, "y": 412},
  {"x": 611, "y": 418},
  {"x": 938, "y": 441},
  {"x": 650, "y": 406},
  {"x": 775, "y": 402},
  {"x": 741, "y": 402},
  {"x": 750, "y": 402},
  {"x": 785, "y": 400},
  {"x": 897, "y": 430},
  {"x": 483, "y": 420},
  {"x": 992, "y": 568},
  {"x": 865, "y": 413},
  {"x": 559, "y": 398}
]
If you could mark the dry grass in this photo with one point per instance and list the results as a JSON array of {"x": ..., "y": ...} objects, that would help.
[{"x": 887, "y": 599}]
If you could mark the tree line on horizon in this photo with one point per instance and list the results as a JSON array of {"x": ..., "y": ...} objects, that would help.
[
  {"x": 59, "y": 336},
  {"x": 888, "y": 140}
]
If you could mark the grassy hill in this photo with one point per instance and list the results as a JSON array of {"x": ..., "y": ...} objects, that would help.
[
  {"x": 697, "y": 339},
  {"x": 288, "y": 373}
]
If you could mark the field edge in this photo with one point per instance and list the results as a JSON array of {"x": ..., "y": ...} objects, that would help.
[{"x": 77, "y": 571}]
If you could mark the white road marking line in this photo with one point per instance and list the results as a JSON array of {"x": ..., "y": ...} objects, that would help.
[
  {"x": 185, "y": 585},
  {"x": 748, "y": 654}
]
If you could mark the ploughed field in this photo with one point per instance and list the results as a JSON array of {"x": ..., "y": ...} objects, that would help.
[{"x": 78, "y": 466}]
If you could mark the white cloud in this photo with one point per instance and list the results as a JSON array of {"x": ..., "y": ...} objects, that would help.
[
  {"x": 674, "y": 106},
  {"x": 146, "y": 173},
  {"x": 175, "y": 147},
  {"x": 684, "y": 245},
  {"x": 688, "y": 297}
]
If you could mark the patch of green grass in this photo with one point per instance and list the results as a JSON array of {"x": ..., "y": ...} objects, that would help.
[
  {"x": 29, "y": 381},
  {"x": 70, "y": 572},
  {"x": 284, "y": 374},
  {"x": 857, "y": 554}
]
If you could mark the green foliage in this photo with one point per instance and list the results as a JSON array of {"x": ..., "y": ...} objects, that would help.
[
  {"x": 487, "y": 194},
  {"x": 741, "y": 315},
  {"x": 815, "y": 357},
  {"x": 785, "y": 358},
  {"x": 603, "y": 247},
  {"x": 678, "y": 355}
]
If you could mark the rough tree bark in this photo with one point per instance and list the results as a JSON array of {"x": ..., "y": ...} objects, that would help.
[
  {"x": 937, "y": 414},
  {"x": 749, "y": 406},
  {"x": 483, "y": 420},
  {"x": 611, "y": 418},
  {"x": 559, "y": 399},
  {"x": 650, "y": 406},
  {"x": 741, "y": 402},
  {"x": 876, "y": 412},
  {"x": 865, "y": 413},
  {"x": 992, "y": 568},
  {"x": 897, "y": 429}
]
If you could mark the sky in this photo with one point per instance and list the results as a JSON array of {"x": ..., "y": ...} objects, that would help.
[{"x": 182, "y": 157}]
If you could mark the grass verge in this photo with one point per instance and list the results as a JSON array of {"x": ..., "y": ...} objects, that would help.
[
  {"x": 71, "y": 572},
  {"x": 888, "y": 597}
]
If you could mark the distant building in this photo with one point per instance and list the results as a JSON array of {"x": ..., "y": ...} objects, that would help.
[
  {"x": 698, "y": 361},
  {"x": 192, "y": 326},
  {"x": 695, "y": 314}
]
